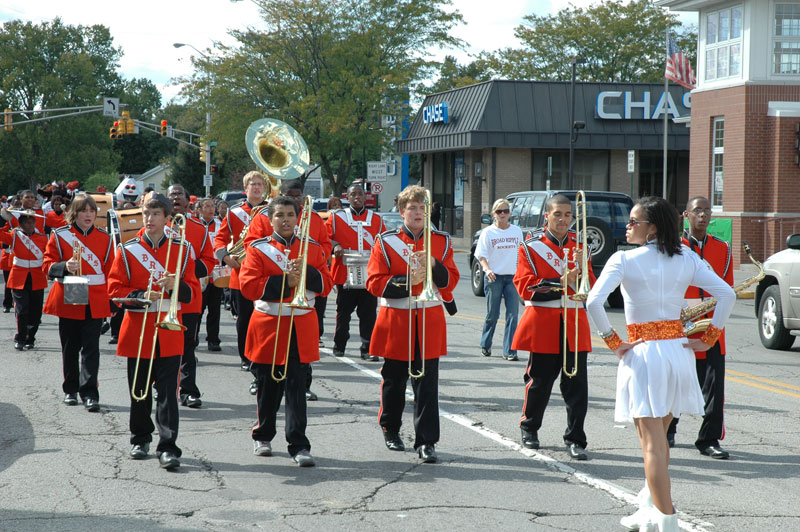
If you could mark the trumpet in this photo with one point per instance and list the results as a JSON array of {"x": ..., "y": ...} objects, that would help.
[
  {"x": 580, "y": 258},
  {"x": 299, "y": 301},
  {"x": 171, "y": 321}
]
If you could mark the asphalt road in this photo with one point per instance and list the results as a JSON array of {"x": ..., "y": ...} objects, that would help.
[{"x": 62, "y": 468}]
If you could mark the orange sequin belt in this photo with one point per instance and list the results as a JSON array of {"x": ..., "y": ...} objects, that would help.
[{"x": 656, "y": 330}]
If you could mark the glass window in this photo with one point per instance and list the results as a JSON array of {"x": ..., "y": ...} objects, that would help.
[
  {"x": 786, "y": 49},
  {"x": 517, "y": 209},
  {"x": 716, "y": 163},
  {"x": 723, "y": 43},
  {"x": 719, "y": 133},
  {"x": 787, "y": 20},
  {"x": 787, "y": 57},
  {"x": 535, "y": 205}
]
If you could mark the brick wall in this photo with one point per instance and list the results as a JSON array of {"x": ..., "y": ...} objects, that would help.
[{"x": 619, "y": 180}]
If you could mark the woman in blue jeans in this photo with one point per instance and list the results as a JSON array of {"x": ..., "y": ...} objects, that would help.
[{"x": 497, "y": 251}]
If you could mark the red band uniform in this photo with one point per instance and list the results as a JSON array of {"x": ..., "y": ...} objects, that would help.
[
  {"x": 237, "y": 219},
  {"x": 212, "y": 295},
  {"x": 710, "y": 364},
  {"x": 129, "y": 278},
  {"x": 27, "y": 282},
  {"x": 386, "y": 279},
  {"x": 539, "y": 266},
  {"x": 346, "y": 227},
  {"x": 5, "y": 266},
  {"x": 79, "y": 325},
  {"x": 54, "y": 219},
  {"x": 261, "y": 278}
]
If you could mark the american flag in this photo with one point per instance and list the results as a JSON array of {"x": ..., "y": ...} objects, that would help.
[{"x": 679, "y": 69}]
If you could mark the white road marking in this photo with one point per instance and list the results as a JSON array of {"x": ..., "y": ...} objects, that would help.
[{"x": 686, "y": 521}]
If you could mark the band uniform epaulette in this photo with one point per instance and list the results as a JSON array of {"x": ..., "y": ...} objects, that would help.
[
  {"x": 237, "y": 204},
  {"x": 537, "y": 234},
  {"x": 260, "y": 240},
  {"x": 63, "y": 228},
  {"x": 390, "y": 232},
  {"x": 103, "y": 230}
]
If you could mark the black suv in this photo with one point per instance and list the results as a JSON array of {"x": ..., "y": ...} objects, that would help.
[{"x": 606, "y": 216}]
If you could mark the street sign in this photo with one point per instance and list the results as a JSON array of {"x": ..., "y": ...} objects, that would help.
[
  {"x": 376, "y": 171},
  {"x": 207, "y": 180},
  {"x": 377, "y": 188},
  {"x": 631, "y": 160},
  {"x": 111, "y": 107}
]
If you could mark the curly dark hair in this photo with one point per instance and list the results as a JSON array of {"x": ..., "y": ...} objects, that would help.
[
  {"x": 282, "y": 201},
  {"x": 664, "y": 216}
]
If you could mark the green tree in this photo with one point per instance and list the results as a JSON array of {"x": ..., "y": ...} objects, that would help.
[
  {"x": 50, "y": 65},
  {"x": 453, "y": 75},
  {"x": 329, "y": 69},
  {"x": 621, "y": 42}
]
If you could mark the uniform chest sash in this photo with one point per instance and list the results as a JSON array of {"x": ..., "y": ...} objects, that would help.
[
  {"x": 146, "y": 259},
  {"x": 86, "y": 254},
  {"x": 241, "y": 214},
  {"x": 30, "y": 245},
  {"x": 400, "y": 247},
  {"x": 358, "y": 226},
  {"x": 547, "y": 254},
  {"x": 278, "y": 257}
]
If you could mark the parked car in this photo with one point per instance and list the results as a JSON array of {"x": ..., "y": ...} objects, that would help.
[
  {"x": 391, "y": 220},
  {"x": 321, "y": 204},
  {"x": 776, "y": 303},
  {"x": 607, "y": 213},
  {"x": 232, "y": 196}
]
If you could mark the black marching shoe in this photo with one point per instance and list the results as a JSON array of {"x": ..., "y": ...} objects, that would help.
[
  {"x": 91, "y": 404},
  {"x": 367, "y": 356},
  {"x": 192, "y": 401},
  {"x": 6, "y": 310},
  {"x": 139, "y": 451},
  {"x": 253, "y": 387},
  {"x": 338, "y": 352},
  {"x": 486, "y": 352},
  {"x": 427, "y": 453},
  {"x": 168, "y": 461},
  {"x": 29, "y": 345},
  {"x": 245, "y": 366},
  {"x": 71, "y": 399},
  {"x": 393, "y": 441},
  {"x": 112, "y": 340},
  {"x": 105, "y": 327},
  {"x": 19, "y": 346},
  {"x": 576, "y": 452},
  {"x": 715, "y": 451},
  {"x": 311, "y": 396},
  {"x": 671, "y": 439},
  {"x": 214, "y": 347},
  {"x": 530, "y": 440}
]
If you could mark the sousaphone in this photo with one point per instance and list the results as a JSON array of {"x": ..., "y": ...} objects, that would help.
[{"x": 278, "y": 150}]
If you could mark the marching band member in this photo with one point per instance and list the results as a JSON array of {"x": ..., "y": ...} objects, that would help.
[
  {"x": 79, "y": 325},
  {"x": 273, "y": 269},
  {"x": 204, "y": 261},
  {"x": 540, "y": 266},
  {"x": 237, "y": 219},
  {"x": 55, "y": 217},
  {"x": 262, "y": 226},
  {"x": 656, "y": 379},
  {"x": 129, "y": 278},
  {"x": 212, "y": 295},
  {"x": 387, "y": 278},
  {"x": 28, "y": 201},
  {"x": 710, "y": 364},
  {"x": 5, "y": 261},
  {"x": 26, "y": 280},
  {"x": 353, "y": 231}
]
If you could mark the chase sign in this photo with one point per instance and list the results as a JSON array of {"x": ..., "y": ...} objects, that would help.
[
  {"x": 619, "y": 105},
  {"x": 432, "y": 114}
]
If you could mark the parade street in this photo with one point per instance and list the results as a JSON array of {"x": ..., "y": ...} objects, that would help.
[{"x": 63, "y": 468}]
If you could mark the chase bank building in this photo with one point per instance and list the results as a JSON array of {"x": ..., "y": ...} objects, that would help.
[{"x": 485, "y": 141}]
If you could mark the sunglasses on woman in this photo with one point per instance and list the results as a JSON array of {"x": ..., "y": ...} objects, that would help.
[{"x": 502, "y": 211}]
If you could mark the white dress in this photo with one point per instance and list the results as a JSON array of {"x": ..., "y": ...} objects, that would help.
[{"x": 656, "y": 377}]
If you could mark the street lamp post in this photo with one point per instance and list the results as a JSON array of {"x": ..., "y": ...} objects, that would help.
[
  {"x": 573, "y": 125},
  {"x": 208, "y": 116}
]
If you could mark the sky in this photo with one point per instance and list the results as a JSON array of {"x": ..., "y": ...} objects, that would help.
[{"x": 147, "y": 29}]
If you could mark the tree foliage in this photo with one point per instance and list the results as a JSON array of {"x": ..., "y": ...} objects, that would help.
[
  {"x": 329, "y": 69},
  {"x": 620, "y": 42},
  {"x": 453, "y": 75}
]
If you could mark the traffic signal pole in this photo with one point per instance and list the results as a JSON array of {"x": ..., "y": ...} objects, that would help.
[{"x": 207, "y": 178}]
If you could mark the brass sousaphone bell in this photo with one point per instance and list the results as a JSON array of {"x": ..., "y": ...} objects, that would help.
[{"x": 278, "y": 150}]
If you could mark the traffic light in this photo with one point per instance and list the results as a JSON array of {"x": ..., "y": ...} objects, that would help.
[
  {"x": 8, "y": 119},
  {"x": 163, "y": 128},
  {"x": 213, "y": 168},
  {"x": 202, "y": 151},
  {"x": 113, "y": 133},
  {"x": 126, "y": 124}
]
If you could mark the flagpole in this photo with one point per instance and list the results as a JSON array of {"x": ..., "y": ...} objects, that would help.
[{"x": 665, "y": 98}]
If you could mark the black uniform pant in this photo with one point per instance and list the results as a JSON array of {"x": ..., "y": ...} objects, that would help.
[
  {"x": 165, "y": 377},
  {"x": 711, "y": 376},
  {"x": 320, "y": 304},
  {"x": 80, "y": 354},
  {"x": 188, "y": 384},
  {"x": 212, "y": 298},
  {"x": 244, "y": 309},
  {"x": 116, "y": 319},
  {"x": 540, "y": 375},
  {"x": 8, "y": 300},
  {"x": 365, "y": 305},
  {"x": 269, "y": 397},
  {"x": 28, "y": 307},
  {"x": 426, "y": 397}
]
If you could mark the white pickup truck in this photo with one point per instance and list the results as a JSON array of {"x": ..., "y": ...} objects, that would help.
[{"x": 777, "y": 297}]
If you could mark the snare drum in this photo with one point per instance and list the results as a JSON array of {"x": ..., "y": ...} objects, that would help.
[
  {"x": 105, "y": 203},
  {"x": 125, "y": 223},
  {"x": 356, "y": 264},
  {"x": 221, "y": 276}
]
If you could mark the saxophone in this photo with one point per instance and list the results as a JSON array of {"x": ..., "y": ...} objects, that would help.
[{"x": 701, "y": 309}]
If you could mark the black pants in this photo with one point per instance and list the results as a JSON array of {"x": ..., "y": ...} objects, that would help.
[
  {"x": 426, "y": 398},
  {"x": 244, "y": 309},
  {"x": 116, "y": 319},
  {"x": 320, "y": 304},
  {"x": 165, "y": 376},
  {"x": 269, "y": 397},
  {"x": 365, "y": 305},
  {"x": 28, "y": 306},
  {"x": 189, "y": 359},
  {"x": 8, "y": 301},
  {"x": 80, "y": 354},
  {"x": 540, "y": 375},
  {"x": 711, "y": 376},
  {"x": 212, "y": 298}
]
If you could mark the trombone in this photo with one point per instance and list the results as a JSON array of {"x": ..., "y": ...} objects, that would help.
[
  {"x": 582, "y": 282},
  {"x": 171, "y": 321},
  {"x": 299, "y": 301},
  {"x": 426, "y": 295}
]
